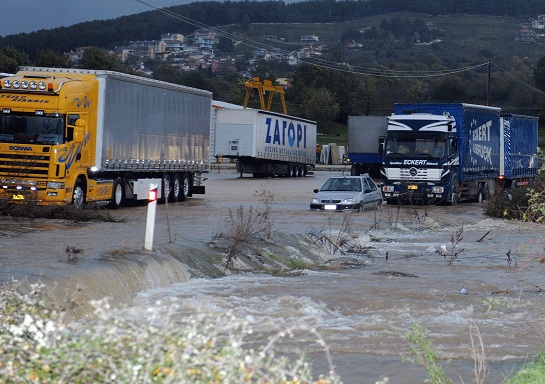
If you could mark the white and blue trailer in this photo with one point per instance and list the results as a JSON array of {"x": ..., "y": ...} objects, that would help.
[
  {"x": 265, "y": 143},
  {"x": 441, "y": 153}
]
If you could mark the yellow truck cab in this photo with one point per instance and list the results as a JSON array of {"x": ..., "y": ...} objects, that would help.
[{"x": 77, "y": 136}]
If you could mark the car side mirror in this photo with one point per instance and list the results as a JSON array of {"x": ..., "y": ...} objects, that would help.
[
  {"x": 316, "y": 190},
  {"x": 368, "y": 190}
]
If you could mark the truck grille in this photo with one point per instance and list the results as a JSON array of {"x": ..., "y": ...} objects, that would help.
[
  {"x": 416, "y": 174},
  {"x": 24, "y": 165}
]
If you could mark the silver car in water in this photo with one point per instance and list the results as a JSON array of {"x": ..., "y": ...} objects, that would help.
[{"x": 347, "y": 193}]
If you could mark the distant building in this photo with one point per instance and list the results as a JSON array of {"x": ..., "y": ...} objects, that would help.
[
  {"x": 539, "y": 23},
  {"x": 526, "y": 35},
  {"x": 310, "y": 39}
]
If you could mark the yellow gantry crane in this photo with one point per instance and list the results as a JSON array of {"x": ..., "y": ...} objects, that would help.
[{"x": 262, "y": 88}]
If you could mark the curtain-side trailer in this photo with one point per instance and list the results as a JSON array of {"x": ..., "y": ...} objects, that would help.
[
  {"x": 265, "y": 143},
  {"x": 365, "y": 135},
  {"x": 77, "y": 136}
]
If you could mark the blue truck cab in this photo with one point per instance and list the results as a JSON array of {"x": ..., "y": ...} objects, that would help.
[{"x": 441, "y": 153}]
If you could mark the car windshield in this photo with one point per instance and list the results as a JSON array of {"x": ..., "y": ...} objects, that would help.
[{"x": 343, "y": 184}]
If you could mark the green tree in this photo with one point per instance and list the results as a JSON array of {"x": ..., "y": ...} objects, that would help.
[
  {"x": 98, "y": 58},
  {"x": 50, "y": 58},
  {"x": 539, "y": 74},
  {"x": 449, "y": 90},
  {"x": 226, "y": 44},
  {"x": 320, "y": 105},
  {"x": 168, "y": 73},
  {"x": 8, "y": 64},
  {"x": 11, "y": 59}
]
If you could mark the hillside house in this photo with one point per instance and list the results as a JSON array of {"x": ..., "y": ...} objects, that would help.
[
  {"x": 539, "y": 23},
  {"x": 526, "y": 35},
  {"x": 310, "y": 39}
]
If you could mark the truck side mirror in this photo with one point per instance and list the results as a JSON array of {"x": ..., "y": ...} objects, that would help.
[
  {"x": 381, "y": 141},
  {"x": 79, "y": 131}
]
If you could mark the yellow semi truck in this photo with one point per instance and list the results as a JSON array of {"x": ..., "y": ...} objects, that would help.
[{"x": 75, "y": 136}]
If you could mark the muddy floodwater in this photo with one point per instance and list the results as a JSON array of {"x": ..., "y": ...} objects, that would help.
[{"x": 453, "y": 270}]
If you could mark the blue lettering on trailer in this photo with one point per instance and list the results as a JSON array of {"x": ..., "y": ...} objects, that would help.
[
  {"x": 276, "y": 139},
  {"x": 278, "y": 129},
  {"x": 291, "y": 135}
]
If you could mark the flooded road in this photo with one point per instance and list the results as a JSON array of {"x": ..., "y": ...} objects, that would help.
[{"x": 450, "y": 269}]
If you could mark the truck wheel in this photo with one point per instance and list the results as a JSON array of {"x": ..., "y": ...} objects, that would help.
[
  {"x": 185, "y": 190},
  {"x": 118, "y": 194},
  {"x": 453, "y": 199},
  {"x": 176, "y": 188},
  {"x": 355, "y": 170},
  {"x": 78, "y": 197},
  {"x": 299, "y": 171}
]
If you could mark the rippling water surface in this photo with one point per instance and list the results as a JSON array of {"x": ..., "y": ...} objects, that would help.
[{"x": 489, "y": 277}]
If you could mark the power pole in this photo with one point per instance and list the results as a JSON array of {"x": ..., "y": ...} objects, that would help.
[{"x": 488, "y": 93}]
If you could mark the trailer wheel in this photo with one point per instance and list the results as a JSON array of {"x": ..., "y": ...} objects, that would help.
[
  {"x": 118, "y": 194},
  {"x": 78, "y": 197},
  {"x": 294, "y": 170},
  {"x": 299, "y": 171},
  {"x": 176, "y": 188},
  {"x": 185, "y": 191},
  {"x": 166, "y": 189}
]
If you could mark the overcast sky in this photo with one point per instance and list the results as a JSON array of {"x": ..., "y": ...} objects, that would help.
[{"x": 32, "y": 15}]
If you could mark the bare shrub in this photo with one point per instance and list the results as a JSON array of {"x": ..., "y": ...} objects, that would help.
[
  {"x": 267, "y": 198},
  {"x": 245, "y": 224},
  {"x": 241, "y": 226},
  {"x": 72, "y": 253},
  {"x": 452, "y": 254}
]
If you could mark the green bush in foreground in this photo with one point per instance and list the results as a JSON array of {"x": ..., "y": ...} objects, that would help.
[
  {"x": 533, "y": 373},
  {"x": 525, "y": 203},
  {"x": 37, "y": 346}
]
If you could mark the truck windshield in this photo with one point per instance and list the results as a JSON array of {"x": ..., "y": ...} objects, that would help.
[
  {"x": 29, "y": 128},
  {"x": 415, "y": 146}
]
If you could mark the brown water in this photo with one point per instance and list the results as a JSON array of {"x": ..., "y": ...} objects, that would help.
[{"x": 359, "y": 312}]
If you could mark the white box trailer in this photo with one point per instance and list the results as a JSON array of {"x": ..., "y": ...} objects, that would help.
[{"x": 266, "y": 143}]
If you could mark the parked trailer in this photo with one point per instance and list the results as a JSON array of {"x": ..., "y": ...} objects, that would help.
[
  {"x": 365, "y": 136},
  {"x": 266, "y": 143},
  {"x": 77, "y": 136},
  {"x": 446, "y": 152}
]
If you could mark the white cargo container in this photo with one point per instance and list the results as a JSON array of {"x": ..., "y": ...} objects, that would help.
[{"x": 265, "y": 143}]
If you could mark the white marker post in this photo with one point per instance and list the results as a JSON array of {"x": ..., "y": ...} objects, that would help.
[{"x": 150, "y": 222}]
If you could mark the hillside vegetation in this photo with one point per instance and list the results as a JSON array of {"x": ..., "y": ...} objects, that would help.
[{"x": 411, "y": 51}]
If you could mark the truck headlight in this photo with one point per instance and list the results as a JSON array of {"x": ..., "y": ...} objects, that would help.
[
  {"x": 387, "y": 188},
  {"x": 438, "y": 189},
  {"x": 55, "y": 185},
  {"x": 314, "y": 201}
]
